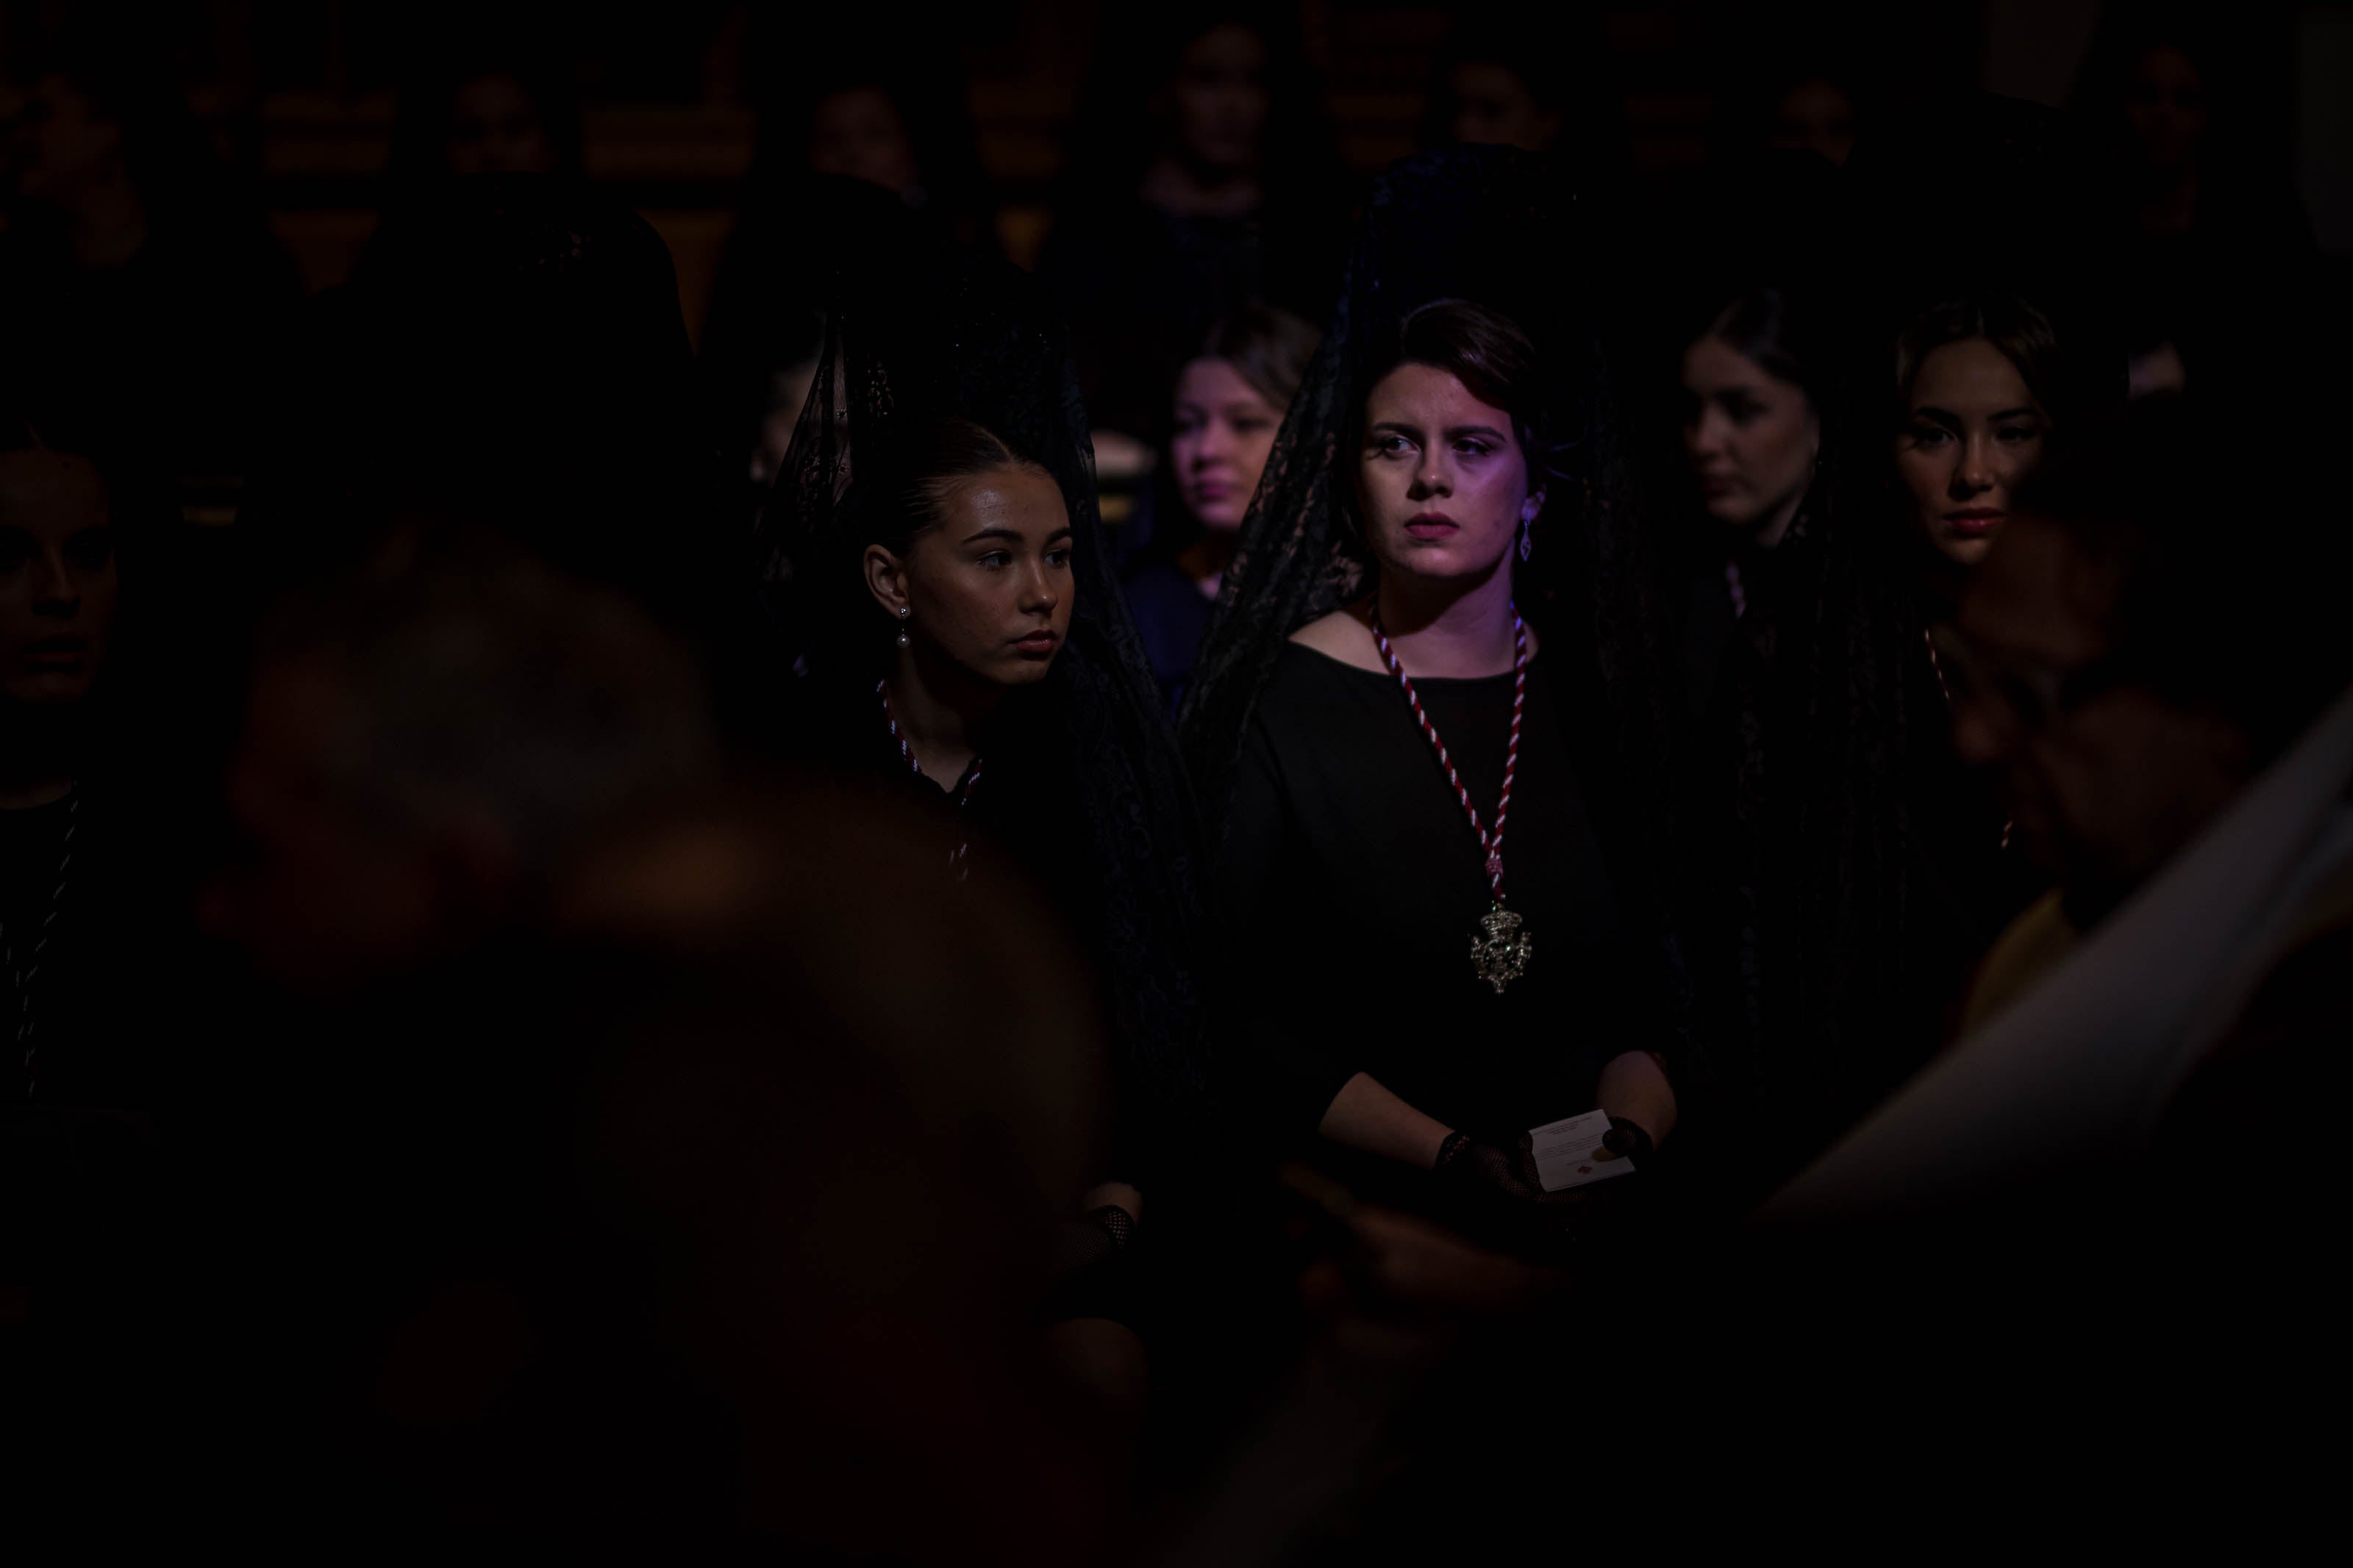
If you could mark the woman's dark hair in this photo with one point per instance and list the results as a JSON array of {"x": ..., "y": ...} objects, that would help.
[
  {"x": 1766, "y": 325},
  {"x": 906, "y": 493},
  {"x": 2013, "y": 325},
  {"x": 1268, "y": 348}
]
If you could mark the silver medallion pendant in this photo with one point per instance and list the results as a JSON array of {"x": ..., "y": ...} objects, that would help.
[{"x": 1499, "y": 952}]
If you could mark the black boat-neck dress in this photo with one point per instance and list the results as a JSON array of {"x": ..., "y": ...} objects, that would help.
[{"x": 1352, "y": 886}]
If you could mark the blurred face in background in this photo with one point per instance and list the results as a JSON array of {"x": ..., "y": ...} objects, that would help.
[
  {"x": 1441, "y": 481},
  {"x": 1219, "y": 98},
  {"x": 1224, "y": 429},
  {"x": 2166, "y": 103},
  {"x": 858, "y": 132},
  {"x": 1494, "y": 108},
  {"x": 59, "y": 147},
  {"x": 1815, "y": 116},
  {"x": 57, "y": 582},
  {"x": 1752, "y": 438},
  {"x": 1973, "y": 430},
  {"x": 495, "y": 129},
  {"x": 989, "y": 585}
]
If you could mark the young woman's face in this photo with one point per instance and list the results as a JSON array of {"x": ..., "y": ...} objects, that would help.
[
  {"x": 1224, "y": 429},
  {"x": 1441, "y": 481},
  {"x": 57, "y": 583},
  {"x": 858, "y": 132},
  {"x": 1752, "y": 437},
  {"x": 2166, "y": 103},
  {"x": 495, "y": 129},
  {"x": 1220, "y": 98},
  {"x": 988, "y": 586},
  {"x": 1815, "y": 116},
  {"x": 1972, "y": 433},
  {"x": 60, "y": 146},
  {"x": 1494, "y": 108}
]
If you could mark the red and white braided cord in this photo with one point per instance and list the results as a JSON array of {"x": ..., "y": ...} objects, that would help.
[
  {"x": 964, "y": 796},
  {"x": 1491, "y": 843}
]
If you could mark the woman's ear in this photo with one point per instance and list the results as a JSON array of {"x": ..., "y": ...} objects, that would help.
[
  {"x": 886, "y": 579},
  {"x": 1532, "y": 505}
]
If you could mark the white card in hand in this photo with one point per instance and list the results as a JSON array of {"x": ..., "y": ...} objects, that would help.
[{"x": 1569, "y": 1153}]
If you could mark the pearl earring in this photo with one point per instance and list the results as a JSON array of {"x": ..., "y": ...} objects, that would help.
[{"x": 903, "y": 613}]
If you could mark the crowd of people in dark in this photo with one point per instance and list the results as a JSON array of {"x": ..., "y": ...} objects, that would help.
[{"x": 1478, "y": 859}]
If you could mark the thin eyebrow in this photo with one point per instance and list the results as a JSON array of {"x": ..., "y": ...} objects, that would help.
[
  {"x": 2028, "y": 412},
  {"x": 1396, "y": 427},
  {"x": 1940, "y": 415},
  {"x": 1459, "y": 431},
  {"x": 1015, "y": 534}
]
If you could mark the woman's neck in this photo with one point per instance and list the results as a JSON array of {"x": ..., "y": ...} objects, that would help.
[
  {"x": 1205, "y": 562},
  {"x": 1449, "y": 630},
  {"x": 37, "y": 763},
  {"x": 944, "y": 711},
  {"x": 1174, "y": 184}
]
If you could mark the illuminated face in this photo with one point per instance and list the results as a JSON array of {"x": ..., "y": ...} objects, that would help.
[
  {"x": 57, "y": 582},
  {"x": 1972, "y": 434},
  {"x": 1224, "y": 429},
  {"x": 988, "y": 586},
  {"x": 1442, "y": 482}
]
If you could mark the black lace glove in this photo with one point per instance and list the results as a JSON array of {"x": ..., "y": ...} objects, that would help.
[
  {"x": 1627, "y": 1140},
  {"x": 1092, "y": 1239},
  {"x": 1493, "y": 1195}
]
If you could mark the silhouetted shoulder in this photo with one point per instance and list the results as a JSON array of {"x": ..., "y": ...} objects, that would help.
[{"x": 1344, "y": 635}]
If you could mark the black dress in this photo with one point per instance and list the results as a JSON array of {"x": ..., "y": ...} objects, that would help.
[
  {"x": 1351, "y": 877},
  {"x": 1172, "y": 616}
]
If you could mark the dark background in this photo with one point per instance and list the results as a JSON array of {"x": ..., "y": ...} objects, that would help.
[{"x": 300, "y": 96}]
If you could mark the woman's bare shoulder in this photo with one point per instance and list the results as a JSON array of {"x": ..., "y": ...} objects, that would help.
[{"x": 1345, "y": 635}]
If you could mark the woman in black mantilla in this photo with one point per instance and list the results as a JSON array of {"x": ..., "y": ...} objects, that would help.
[
  {"x": 937, "y": 564},
  {"x": 99, "y": 809},
  {"x": 1866, "y": 871},
  {"x": 1439, "y": 842}
]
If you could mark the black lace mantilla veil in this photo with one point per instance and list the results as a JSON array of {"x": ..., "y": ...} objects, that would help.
[
  {"x": 1499, "y": 228},
  {"x": 918, "y": 331}
]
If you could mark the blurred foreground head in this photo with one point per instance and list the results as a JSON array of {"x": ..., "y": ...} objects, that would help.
[
  {"x": 509, "y": 351},
  {"x": 426, "y": 740},
  {"x": 2164, "y": 618},
  {"x": 813, "y": 1110}
]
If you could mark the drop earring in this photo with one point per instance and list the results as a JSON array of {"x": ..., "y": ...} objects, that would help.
[
  {"x": 1527, "y": 539},
  {"x": 903, "y": 613}
]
